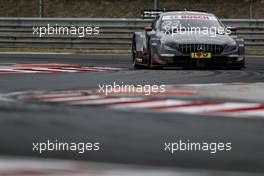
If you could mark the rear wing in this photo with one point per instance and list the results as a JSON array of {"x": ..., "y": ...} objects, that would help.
[{"x": 151, "y": 14}]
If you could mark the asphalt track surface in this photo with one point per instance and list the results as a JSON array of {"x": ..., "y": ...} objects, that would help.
[{"x": 126, "y": 137}]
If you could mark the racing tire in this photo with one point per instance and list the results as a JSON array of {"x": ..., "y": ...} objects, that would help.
[
  {"x": 150, "y": 65},
  {"x": 135, "y": 65},
  {"x": 235, "y": 68}
]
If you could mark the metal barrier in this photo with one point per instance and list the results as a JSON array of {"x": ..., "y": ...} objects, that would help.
[{"x": 114, "y": 33}]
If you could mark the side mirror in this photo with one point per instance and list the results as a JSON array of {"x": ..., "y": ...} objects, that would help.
[
  {"x": 148, "y": 28},
  {"x": 231, "y": 30}
]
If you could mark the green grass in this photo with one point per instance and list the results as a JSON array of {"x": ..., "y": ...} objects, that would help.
[{"x": 255, "y": 52}]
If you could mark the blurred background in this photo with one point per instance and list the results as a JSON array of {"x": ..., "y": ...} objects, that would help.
[
  {"x": 127, "y": 8},
  {"x": 132, "y": 140}
]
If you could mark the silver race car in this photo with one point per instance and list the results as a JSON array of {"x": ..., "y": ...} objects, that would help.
[{"x": 187, "y": 39}]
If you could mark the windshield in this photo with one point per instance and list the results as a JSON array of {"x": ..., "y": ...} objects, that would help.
[{"x": 188, "y": 21}]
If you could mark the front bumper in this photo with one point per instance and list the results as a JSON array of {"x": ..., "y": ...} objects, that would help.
[
  {"x": 181, "y": 61},
  {"x": 164, "y": 55},
  {"x": 176, "y": 58}
]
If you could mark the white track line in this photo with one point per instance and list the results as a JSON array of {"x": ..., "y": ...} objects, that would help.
[
  {"x": 69, "y": 99},
  {"x": 255, "y": 113},
  {"x": 18, "y": 71},
  {"x": 50, "y": 96},
  {"x": 104, "y": 101},
  {"x": 150, "y": 104},
  {"x": 50, "y": 167},
  {"x": 231, "y": 109},
  {"x": 209, "y": 84},
  {"x": 56, "y": 69},
  {"x": 209, "y": 108}
]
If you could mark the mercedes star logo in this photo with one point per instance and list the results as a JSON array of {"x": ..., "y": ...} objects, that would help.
[{"x": 201, "y": 48}]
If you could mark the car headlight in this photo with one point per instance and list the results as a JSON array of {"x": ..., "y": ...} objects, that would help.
[
  {"x": 165, "y": 47},
  {"x": 171, "y": 45},
  {"x": 230, "y": 47}
]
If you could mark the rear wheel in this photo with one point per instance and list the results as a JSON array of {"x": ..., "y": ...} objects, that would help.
[
  {"x": 150, "y": 65},
  {"x": 133, "y": 55},
  {"x": 150, "y": 59}
]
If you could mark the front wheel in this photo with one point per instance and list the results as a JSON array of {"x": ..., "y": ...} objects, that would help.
[
  {"x": 150, "y": 66},
  {"x": 150, "y": 62},
  {"x": 235, "y": 68}
]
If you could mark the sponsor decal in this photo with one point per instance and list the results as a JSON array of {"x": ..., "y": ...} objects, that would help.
[
  {"x": 200, "y": 55},
  {"x": 189, "y": 17}
]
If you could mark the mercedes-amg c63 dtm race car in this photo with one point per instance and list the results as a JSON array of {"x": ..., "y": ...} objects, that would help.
[{"x": 187, "y": 39}]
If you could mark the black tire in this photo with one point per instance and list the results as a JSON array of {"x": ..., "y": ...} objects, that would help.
[
  {"x": 150, "y": 66},
  {"x": 238, "y": 68},
  {"x": 150, "y": 57},
  {"x": 235, "y": 68},
  {"x": 136, "y": 66},
  {"x": 133, "y": 55}
]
